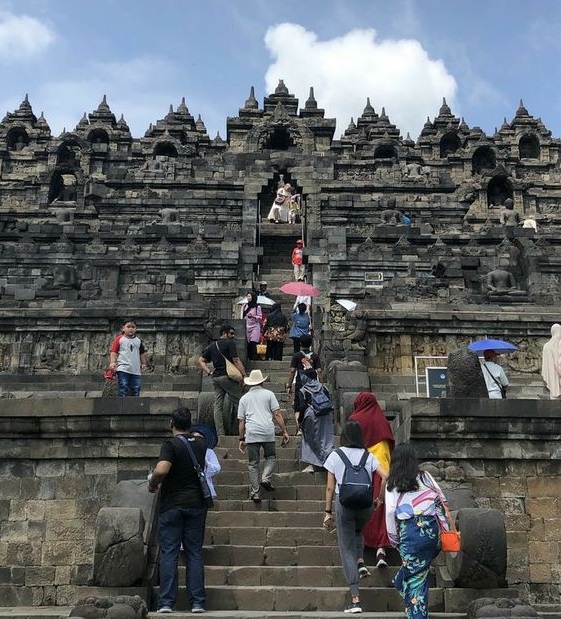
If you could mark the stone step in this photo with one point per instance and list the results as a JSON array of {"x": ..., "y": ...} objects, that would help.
[
  {"x": 293, "y": 575},
  {"x": 271, "y": 536},
  {"x": 290, "y": 493},
  {"x": 263, "y": 518},
  {"x": 260, "y": 614},
  {"x": 289, "y": 598}
]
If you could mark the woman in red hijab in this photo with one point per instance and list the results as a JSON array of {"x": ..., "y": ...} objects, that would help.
[{"x": 379, "y": 441}]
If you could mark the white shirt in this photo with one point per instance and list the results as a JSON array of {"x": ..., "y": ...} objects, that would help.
[
  {"x": 257, "y": 407},
  {"x": 335, "y": 465},
  {"x": 497, "y": 371}
]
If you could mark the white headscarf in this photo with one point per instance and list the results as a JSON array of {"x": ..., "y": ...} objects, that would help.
[{"x": 551, "y": 360}]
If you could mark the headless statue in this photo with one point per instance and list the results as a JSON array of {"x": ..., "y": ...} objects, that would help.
[
  {"x": 508, "y": 216},
  {"x": 501, "y": 282}
]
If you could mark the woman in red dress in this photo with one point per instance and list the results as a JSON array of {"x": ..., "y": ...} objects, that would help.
[{"x": 379, "y": 441}]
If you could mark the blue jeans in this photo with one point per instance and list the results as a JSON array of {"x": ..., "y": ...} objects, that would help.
[
  {"x": 176, "y": 526},
  {"x": 129, "y": 384}
]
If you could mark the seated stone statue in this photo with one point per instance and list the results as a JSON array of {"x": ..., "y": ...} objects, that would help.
[
  {"x": 501, "y": 282},
  {"x": 391, "y": 217},
  {"x": 508, "y": 216}
]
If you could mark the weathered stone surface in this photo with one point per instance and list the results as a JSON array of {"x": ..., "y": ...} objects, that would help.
[
  {"x": 119, "y": 557},
  {"x": 489, "y": 608},
  {"x": 465, "y": 379}
]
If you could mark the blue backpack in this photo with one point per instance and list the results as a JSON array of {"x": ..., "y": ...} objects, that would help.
[
  {"x": 320, "y": 402},
  {"x": 355, "y": 490}
]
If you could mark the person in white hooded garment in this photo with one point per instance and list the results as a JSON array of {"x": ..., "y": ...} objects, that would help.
[{"x": 551, "y": 362}]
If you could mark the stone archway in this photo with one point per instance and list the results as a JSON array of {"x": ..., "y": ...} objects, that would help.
[
  {"x": 498, "y": 190},
  {"x": 449, "y": 143},
  {"x": 529, "y": 147},
  {"x": 483, "y": 159}
]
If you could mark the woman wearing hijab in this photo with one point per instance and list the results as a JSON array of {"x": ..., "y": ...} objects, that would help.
[
  {"x": 275, "y": 328},
  {"x": 317, "y": 431},
  {"x": 379, "y": 441},
  {"x": 252, "y": 315},
  {"x": 551, "y": 362}
]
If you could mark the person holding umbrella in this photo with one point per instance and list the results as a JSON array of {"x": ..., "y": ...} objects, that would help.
[{"x": 495, "y": 377}]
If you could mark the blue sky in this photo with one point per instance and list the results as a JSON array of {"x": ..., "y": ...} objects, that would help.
[{"x": 482, "y": 55}]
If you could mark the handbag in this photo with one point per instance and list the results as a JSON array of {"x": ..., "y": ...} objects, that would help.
[
  {"x": 275, "y": 334},
  {"x": 231, "y": 370},
  {"x": 207, "y": 496},
  {"x": 451, "y": 540}
]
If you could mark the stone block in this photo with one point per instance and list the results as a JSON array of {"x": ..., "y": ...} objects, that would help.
[{"x": 36, "y": 576}]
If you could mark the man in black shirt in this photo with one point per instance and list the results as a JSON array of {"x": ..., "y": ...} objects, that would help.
[
  {"x": 225, "y": 346},
  {"x": 182, "y": 514}
]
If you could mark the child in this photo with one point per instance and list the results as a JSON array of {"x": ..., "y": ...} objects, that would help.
[
  {"x": 298, "y": 261},
  {"x": 127, "y": 357}
]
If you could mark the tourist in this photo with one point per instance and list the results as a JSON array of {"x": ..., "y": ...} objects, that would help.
[
  {"x": 551, "y": 362},
  {"x": 302, "y": 360},
  {"x": 263, "y": 292},
  {"x": 127, "y": 356},
  {"x": 317, "y": 430},
  {"x": 413, "y": 520},
  {"x": 279, "y": 208},
  {"x": 182, "y": 513},
  {"x": 350, "y": 521},
  {"x": 258, "y": 412},
  {"x": 495, "y": 377},
  {"x": 275, "y": 328},
  {"x": 251, "y": 313},
  {"x": 212, "y": 465},
  {"x": 298, "y": 261},
  {"x": 217, "y": 353},
  {"x": 301, "y": 325},
  {"x": 379, "y": 440},
  {"x": 306, "y": 299}
]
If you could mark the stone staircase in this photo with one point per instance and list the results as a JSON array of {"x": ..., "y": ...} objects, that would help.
[{"x": 276, "y": 560}]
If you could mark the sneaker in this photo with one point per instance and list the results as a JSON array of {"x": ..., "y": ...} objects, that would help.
[
  {"x": 255, "y": 498},
  {"x": 308, "y": 469},
  {"x": 268, "y": 486},
  {"x": 197, "y": 609},
  {"x": 363, "y": 571},
  {"x": 354, "y": 608},
  {"x": 165, "y": 609},
  {"x": 381, "y": 560}
]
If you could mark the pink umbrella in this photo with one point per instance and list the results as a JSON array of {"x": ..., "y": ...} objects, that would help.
[{"x": 300, "y": 289}]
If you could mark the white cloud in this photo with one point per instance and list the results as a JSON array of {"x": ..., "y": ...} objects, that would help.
[
  {"x": 395, "y": 74},
  {"x": 22, "y": 37}
]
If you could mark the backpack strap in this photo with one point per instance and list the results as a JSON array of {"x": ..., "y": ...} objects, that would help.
[{"x": 347, "y": 462}]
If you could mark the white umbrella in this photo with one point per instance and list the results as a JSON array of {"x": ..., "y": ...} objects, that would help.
[
  {"x": 261, "y": 300},
  {"x": 347, "y": 304}
]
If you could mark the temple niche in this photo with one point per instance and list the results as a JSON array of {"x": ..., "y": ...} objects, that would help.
[
  {"x": 529, "y": 147},
  {"x": 17, "y": 139},
  {"x": 63, "y": 188},
  {"x": 449, "y": 143},
  {"x": 499, "y": 190},
  {"x": 483, "y": 159}
]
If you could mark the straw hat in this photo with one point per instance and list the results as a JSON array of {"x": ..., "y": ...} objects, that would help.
[{"x": 255, "y": 378}]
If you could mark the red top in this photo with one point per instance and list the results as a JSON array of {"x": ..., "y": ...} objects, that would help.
[
  {"x": 298, "y": 255},
  {"x": 372, "y": 420}
]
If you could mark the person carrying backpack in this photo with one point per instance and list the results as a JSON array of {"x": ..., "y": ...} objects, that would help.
[
  {"x": 348, "y": 493},
  {"x": 316, "y": 421},
  {"x": 301, "y": 361}
]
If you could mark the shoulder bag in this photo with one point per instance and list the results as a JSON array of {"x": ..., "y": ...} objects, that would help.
[
  {"x": 207, "y": 496},
  {"x": 231, "y": 370},
  {"x": 451, "y": 540}
]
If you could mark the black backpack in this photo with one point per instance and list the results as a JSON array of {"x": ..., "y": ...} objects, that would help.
[{"x": 355, "y": 490}]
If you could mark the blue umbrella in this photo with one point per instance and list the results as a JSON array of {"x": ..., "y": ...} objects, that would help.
[{"x": 499, "y": 346}]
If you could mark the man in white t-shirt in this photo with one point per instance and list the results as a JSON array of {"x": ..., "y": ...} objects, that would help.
[
  {"x": 495, "y": 377},
  {"x": 258, "y": 411}
]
